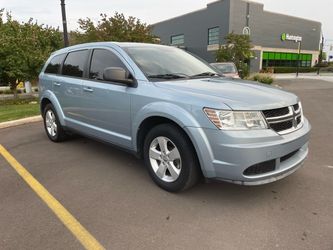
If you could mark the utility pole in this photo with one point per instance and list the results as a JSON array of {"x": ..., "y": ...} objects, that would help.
[
  {"x": 64, "y": 23},
  {"x": 299, "y": 57},
  {"x": 320, "y": 59}
]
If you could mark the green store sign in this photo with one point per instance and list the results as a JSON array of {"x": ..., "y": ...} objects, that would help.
[{"x": 288, "y": 37}]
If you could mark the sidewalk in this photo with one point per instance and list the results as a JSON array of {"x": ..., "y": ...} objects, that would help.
[{"x": 323, "y": 76}]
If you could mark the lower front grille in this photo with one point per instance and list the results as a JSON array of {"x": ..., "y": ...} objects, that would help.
[
  {"x": 260, "y": 168},
  {"x": 267, "y": 166},
  {"x": 288, "y": 156}
]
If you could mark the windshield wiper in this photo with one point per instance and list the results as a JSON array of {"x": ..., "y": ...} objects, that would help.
[
  {"x": 169, "y": 76},
  {"x": 205, "y": 74}
]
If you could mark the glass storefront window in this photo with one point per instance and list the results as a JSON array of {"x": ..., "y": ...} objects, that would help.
[{"x": 277, "y": 59}]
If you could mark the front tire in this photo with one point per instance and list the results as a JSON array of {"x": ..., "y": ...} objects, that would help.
[
  {"x": 170, "y": 158},
  {"x": 53, "y": 128}
]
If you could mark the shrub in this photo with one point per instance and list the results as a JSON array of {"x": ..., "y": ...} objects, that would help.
[
  {"x": 18, "y": 91},
  {"x": 269, "y": 70},
  {"x": 19, "y": 101},
  {"x": 262, "y": 78},
  {"x": 327, "y": 69},
  {"x": 6, "y": 92}
]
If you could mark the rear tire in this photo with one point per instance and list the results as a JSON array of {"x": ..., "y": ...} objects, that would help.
[
  {"x": 52, "y": 126},
  {"x": 170, "y": 158}
]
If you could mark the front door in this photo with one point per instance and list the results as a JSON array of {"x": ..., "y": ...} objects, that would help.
[{"x": 106, "y": 105}]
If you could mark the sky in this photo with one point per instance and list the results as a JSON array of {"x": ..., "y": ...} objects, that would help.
[{"x": 151, "y": 11}]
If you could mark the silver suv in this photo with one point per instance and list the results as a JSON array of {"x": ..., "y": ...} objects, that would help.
[{"x": 175, "y": 111}]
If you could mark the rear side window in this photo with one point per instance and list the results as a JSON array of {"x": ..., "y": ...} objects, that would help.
[
  {"x": 102, "y": 59},
  {"x": 54, "y": 65},
  {"x": 74, "y": 63}
]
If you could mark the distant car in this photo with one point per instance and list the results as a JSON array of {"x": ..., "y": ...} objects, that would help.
[{"x": 228, "y": 69}]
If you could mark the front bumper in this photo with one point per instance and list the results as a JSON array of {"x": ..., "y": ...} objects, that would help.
[{"x": 225, "y": 155}]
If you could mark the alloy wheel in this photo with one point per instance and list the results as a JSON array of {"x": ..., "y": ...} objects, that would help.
[{"x": 165, "y": 159}]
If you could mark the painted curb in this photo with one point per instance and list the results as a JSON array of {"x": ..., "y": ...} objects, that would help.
[{"x": 20, "y": 122}]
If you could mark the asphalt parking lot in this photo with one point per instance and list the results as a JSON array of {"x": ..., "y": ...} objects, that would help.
[{"x": 109, "y": 192}]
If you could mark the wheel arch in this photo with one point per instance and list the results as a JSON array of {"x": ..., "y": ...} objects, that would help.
[
  {"x": 152, "y": 121},
  {"x": 49, "y": 97}
]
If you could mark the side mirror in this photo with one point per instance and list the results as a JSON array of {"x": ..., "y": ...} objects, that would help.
[{"x": 117, "y": 74}]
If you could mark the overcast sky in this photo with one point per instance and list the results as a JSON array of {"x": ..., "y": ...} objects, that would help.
[{"x": 151, "y": 11}]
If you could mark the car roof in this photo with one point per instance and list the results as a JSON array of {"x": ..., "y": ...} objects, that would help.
[
  {"x": 106, "y": 44},
  {"x": 222, "y": 63}
]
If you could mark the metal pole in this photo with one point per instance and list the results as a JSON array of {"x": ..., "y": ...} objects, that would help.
[
  {"x": 321, "y": 54},
  {"x": 64, "y": 23},
  {"x": 299, "y": 57}
]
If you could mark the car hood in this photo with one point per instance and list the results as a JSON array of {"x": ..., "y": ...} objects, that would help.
[{"x": 237, "y": 94}]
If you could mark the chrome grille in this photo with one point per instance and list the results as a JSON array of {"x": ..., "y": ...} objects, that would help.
[
  {"x": 276, "y": 112},
  {"x": 284, "y": 120}
]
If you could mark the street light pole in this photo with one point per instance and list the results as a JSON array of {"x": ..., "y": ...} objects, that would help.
[
  {"x": 299, "y": 57},
  {"x": 321, "y": 53},
  {"x": 64, "y": 23}
]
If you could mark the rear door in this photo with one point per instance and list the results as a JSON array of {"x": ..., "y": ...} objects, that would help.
[
  {"x": 68, "y": 86},
  {"x": 50, "y": 79}
]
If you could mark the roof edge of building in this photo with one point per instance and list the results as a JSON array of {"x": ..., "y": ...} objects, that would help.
[
  {"x": 250, "y": 1},
  {"x": 296, "y": 17}
]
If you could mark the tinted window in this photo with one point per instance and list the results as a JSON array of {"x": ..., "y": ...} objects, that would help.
[
  {"x": 54, "y": 65},
  {"x": 74, "y": 63},
  {"x": 102, "y": 59}
]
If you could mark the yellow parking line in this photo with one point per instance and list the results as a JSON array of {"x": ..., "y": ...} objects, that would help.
[{"x": 86, "y": 239}]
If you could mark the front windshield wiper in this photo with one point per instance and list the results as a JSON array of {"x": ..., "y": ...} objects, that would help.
[
  {"x": 169, "y": 76},
  {"x": 205, "y": 74}
]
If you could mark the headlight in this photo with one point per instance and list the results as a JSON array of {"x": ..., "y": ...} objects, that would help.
[{"x": 236, "y": 120}]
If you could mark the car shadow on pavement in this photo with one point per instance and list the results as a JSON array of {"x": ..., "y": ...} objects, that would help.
[{"x": 214, "y": 191}]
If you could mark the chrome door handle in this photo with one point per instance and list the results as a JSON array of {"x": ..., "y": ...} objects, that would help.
[
  {"x": 57, "y": 84},
  {"x": 87, "y": 89}
]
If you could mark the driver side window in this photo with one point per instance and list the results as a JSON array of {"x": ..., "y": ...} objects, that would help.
[{"x": 102, "y": 59}]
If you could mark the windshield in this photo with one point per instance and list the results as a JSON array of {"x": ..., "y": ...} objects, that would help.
[
  {"x": 168, "y": 62},
  {"x": 226, "y": 68}
]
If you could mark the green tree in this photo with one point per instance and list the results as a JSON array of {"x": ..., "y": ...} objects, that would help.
[
  {"x": 24, "y": 48},
  {"x": 237, "y": 49},
  {"x": 324, "y": 55},
  {"x": 117, "y": 28}
]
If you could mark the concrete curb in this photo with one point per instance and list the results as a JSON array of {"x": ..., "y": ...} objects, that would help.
[{"x": 20, "y": 122}]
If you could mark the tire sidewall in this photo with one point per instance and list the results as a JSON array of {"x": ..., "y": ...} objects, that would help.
[
  {"x": 186, "y": 153},
  {"x": 57, "y": 136}
]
